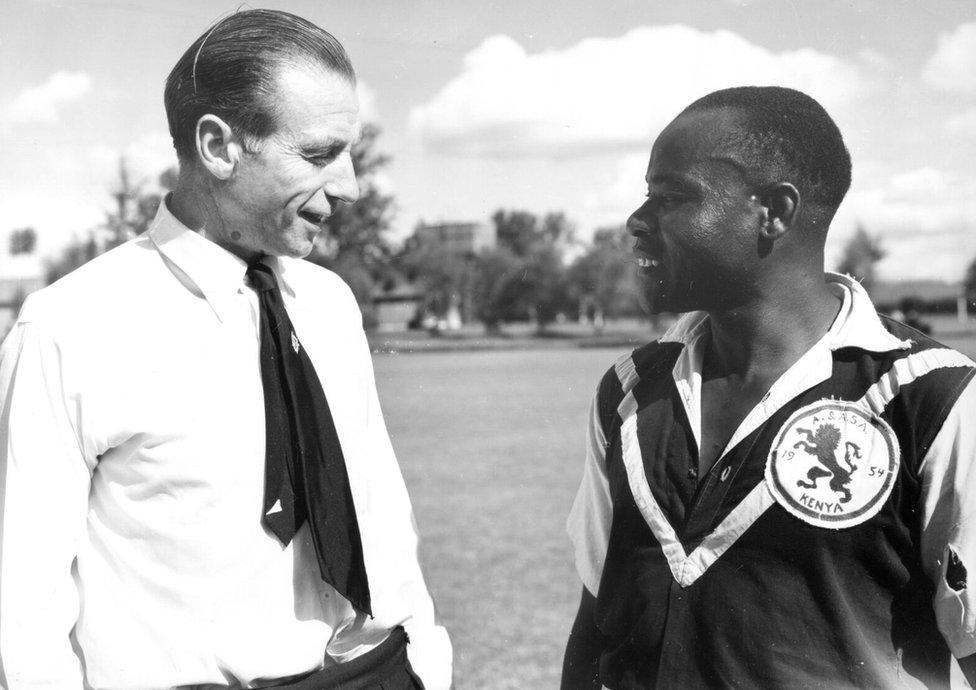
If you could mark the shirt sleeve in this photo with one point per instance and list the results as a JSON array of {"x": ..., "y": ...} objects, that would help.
[
  {"x": 44, "y": 482},
  {"x": 590, "y": 517},
  {"x": 948, "y": 539},
  {"x": 402, "y": 588}
]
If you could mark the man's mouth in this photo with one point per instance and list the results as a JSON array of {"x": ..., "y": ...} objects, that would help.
[
  {"x": 313, "y": 217},
  {"x": 647, "y": 258}
]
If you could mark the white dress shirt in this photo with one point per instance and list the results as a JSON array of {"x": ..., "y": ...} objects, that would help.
[
  {"x": 132, "y": 447},
  {"x": 948, "y": 470}
]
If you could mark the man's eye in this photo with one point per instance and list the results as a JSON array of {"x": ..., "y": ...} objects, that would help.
[{"x": 665, "y": 200}]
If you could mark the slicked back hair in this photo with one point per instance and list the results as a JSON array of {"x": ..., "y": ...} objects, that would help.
[
  {"x": 785, "y": 135},
  {"x": 231, "y": 71}
]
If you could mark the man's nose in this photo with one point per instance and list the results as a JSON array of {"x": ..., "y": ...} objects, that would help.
[
  {"x": 639, "y": 222},
  {"x": 342, "y": 183}
]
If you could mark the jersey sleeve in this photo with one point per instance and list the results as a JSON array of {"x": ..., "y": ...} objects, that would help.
[
  {"x": 590, "y": 517},
  {"x": 948, "y": 542}
]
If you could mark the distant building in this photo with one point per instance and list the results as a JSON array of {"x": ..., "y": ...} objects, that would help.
[
  {"x": 396, "y": 309},
  {"x": 456, "y": 238}
]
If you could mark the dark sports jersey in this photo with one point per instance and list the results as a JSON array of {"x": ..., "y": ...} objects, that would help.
[{"x": 825, "y": 547}]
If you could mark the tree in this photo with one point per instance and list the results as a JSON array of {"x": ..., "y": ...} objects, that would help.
[
  {"x": 356, "y": 246},
  {"x": 525, "y": 276},
  {"x": 134, "y": 211},
  {"x": 515, "y": 230},
  {"x": 602, "y": 280},
  {"x": 861, "y": 253},
  {"x": 496, "y": 272},
  {"x": 446, "y": 277},
  {"x": 23, "y": 241}
]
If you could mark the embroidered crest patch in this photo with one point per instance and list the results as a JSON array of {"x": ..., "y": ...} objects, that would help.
[{"x": 833, "y": 464}]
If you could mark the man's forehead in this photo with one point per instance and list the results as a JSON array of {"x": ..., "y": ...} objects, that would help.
[
  {"x": 309, "y": 86},
  {"x": 696, "y": 143},
  {"x": 316, "y": 106}
]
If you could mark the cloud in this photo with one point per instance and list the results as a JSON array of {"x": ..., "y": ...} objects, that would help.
[
  {"x": 924, "y": 218},
  {"x": 963, "y": 124},
  {"x": 64, "y": 190},
  {"x": 953, "y": 65},
  {"x": 145, "y": 158},
  {"x": 42, "y": 103},
  {"x": 607, "y": 93},
  {"x": 368, "y": 112},
  {"x": 611, "y": 205}
]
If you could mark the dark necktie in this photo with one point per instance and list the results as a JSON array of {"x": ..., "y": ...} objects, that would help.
[{"x": 305, "y": 472}]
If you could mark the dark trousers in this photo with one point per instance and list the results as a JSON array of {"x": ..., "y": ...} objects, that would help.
[{"x": 385, "y": 668}]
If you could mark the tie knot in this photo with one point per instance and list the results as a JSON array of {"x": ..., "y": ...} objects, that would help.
[{"x": 261, "y": 277}]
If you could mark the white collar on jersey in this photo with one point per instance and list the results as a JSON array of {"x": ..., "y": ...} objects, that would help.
[{"x": 857, "y": 323}]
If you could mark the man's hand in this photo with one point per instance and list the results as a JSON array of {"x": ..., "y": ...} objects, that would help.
[{"x": 586, "y": 643}]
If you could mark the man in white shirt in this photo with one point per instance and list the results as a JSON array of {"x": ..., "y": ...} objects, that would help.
[
  {"x": 134, "y": 430},
  {"x": 779, "y": 492}
]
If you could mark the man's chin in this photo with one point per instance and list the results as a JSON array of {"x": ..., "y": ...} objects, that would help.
[
  {"x": 654, "y": 296},
  {"x": 299, "y": 248}
]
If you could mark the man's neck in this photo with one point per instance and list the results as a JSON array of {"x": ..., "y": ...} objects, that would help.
[
  {"x": 186, "y": 206},
  {"x": 191, "y": 204},
  {"x": 765, "y": 336}
]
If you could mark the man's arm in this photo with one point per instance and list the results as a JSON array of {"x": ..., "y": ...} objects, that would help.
[
  {"x": 948, "y": 542},
  {"x": 44, "y": 483},
  {"x": 581, "y": 664},
  {"x": 429, "y": 650},
  {"x": 588, "y": 527}
]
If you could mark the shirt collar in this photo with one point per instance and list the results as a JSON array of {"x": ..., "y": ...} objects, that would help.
[
  {"x": 856, "y": 325},
  {"x": 212, "y": 272}
]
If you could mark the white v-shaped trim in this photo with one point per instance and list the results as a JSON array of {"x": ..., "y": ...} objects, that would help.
[{"x": 686, "y": 568}]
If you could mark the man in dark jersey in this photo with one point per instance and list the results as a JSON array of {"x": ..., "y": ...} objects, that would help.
[{"x": 779, "y": 491}]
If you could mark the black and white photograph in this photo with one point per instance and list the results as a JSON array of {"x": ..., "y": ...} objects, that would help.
[{"x": 377, "y": 344}]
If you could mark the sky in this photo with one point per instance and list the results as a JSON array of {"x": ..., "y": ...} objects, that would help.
[{"x": 543, "y": 106}]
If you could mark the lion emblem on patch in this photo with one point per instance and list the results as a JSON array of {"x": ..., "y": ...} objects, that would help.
[{"x": 833, "y": 464}]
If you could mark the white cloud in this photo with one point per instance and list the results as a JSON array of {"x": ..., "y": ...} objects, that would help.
[
  {"x": 964, "y": 123},
  {"x": 953, "y": 65},
  {"x": 608, "y": 92},
  {"x": 612, "y": 204},
  {"x": 42, "y": 103},
  {"x": 368, "y": 112},
  {"x": 145, "y": 158},
  {"x": 66, "y": 189},
  {"x": 924, "y": 217}
]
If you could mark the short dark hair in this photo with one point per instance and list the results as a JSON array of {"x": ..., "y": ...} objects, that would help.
[
  {"x": 786, "y": 132},
  {"x": 230, "y": 71}
]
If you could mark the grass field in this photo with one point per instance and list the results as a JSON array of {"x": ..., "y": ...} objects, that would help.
[{"x": 491, "y": 448}]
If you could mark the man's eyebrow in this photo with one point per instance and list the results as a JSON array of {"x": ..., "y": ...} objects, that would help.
[
  {"x": 330, "y": 147},
  {"x": 670, "y": 178}
]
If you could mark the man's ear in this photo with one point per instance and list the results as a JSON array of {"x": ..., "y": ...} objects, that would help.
[
  {"x": 218, "y": 149},
  {"x": 780, "y": 202}
]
